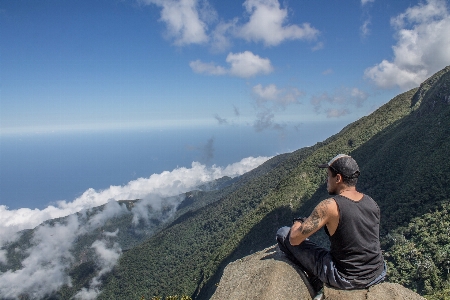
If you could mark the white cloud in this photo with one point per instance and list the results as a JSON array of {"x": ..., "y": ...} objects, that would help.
[
  {"x": 112, "y": 209},
  {"x": 191, "y": 22},
  {"x": 165, "y": 184},
  {"x": 111, "y": 234},
  {"x": 423, "y": 40},
  {"x": 267, "y": 24},
  {"x": 318, "y": 46},
  {"x": 44, "y": 270},
  {"x": 265, "y": 120},
  {"x": 220, "y": 39},
  {"x": 344, "y": 97},
  {"x": 186, "y": 20},
  {"x": 270, "y": 99},
  {"x": 106, "y": 259},
  {"x": 3, "y": 258},
  {"x": 209, "y": 68},
  {"x": 151, "y": 207},
  {"x": 364, "y": 29},
  {"x": 269, "y": 92},
  {"x": 243, "y": 166},
  {"x": 279, "y": 97},
  {"x": 244, "y": 64},
  {"x": 364, "y": 2}
]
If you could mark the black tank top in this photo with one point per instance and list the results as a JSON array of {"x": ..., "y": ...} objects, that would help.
[{"x": 355, "y": 246}]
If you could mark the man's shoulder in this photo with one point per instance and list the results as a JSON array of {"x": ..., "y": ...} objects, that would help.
[{"x": 329, "y": 205}]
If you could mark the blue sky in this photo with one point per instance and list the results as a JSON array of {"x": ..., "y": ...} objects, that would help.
[{"x": 272, "y": 65}]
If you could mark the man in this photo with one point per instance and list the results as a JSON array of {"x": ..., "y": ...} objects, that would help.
[{"x": 351, "y": 220}]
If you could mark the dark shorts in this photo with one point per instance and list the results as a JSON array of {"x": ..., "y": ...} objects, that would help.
[{"x": 317, "y": 261}]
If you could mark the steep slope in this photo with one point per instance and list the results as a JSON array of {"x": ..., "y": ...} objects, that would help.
[{"x": 188, "y": 257}]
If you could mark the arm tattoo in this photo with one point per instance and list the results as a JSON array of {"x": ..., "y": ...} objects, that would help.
[{"x": 319, "y": 213}]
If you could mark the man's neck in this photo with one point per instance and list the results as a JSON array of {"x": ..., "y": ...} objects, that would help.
[{"x": 350, "y": 192}]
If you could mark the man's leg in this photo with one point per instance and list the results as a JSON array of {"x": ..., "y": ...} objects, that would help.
[
  {"x": 285, "y": 246},
  {"x": 313, "y": 259}
]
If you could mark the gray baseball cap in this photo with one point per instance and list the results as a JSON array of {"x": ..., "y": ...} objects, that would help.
[{"x": 343, "y": 164}]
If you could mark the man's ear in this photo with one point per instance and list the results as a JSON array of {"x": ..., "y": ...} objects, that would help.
[{"x": 338, "y": 178}]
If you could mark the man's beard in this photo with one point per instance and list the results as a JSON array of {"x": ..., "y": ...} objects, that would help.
[{"x": 332, "y": 193}]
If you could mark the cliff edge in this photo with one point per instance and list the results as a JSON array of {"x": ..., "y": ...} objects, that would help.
[{"x": 268, "y": 274}]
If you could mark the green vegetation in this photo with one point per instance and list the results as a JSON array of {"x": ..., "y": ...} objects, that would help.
[
  {"x": 418, "y": 254},
  {"x": 402, "y": 151}
]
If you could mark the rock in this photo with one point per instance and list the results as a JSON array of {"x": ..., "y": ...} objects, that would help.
[
  {"x": 268, "y": 274},
  {"x": 382, "y": 291}
]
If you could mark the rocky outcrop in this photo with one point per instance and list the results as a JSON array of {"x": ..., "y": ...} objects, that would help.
[{"x": 268, "y": 274}]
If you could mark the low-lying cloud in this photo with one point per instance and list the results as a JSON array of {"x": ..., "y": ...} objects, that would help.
[
  {"x": 106, "y": 259},
  {"x": 165, "y": 184},
  {"x": 44, "y": 269}
]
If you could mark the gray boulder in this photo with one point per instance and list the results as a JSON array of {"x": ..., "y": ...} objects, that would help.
[{"x": 268, "y": 274}]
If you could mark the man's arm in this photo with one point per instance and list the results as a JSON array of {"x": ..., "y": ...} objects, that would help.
[{"x": 320, "y": 216}]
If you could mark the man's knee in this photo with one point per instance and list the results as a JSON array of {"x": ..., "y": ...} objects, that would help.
[{"x": 282, "y": 235}]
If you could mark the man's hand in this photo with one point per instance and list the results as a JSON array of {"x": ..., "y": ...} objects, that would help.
[{"x": 299, "y": 219}]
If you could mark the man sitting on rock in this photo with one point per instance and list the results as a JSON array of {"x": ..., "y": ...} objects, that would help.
[{"x": 351, "y": 221}]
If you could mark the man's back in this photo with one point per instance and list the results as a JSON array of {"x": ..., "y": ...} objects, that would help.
[{"x": 355, "y": 245}]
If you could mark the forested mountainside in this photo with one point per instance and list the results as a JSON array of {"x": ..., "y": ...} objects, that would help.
[{"x": 402, "y": 151}]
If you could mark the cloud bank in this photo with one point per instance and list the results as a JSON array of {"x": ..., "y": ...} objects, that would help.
[
  {"x": 44, "y": 269},
  {"x": 423, "y": 43},
  {"x": 165, "y": 184}
]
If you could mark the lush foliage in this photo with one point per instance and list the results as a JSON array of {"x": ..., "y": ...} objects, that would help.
[{"x": 418, "y": 254}]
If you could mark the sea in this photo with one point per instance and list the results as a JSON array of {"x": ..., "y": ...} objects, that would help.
[{"x": 38, "y": 169}]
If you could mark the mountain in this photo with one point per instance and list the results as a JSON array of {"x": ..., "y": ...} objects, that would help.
[{"x": 402, "y": 151}]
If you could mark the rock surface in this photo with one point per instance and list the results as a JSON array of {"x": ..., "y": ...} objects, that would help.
[
  {"x": 268, "y": 274},
  {"x": 383, "y": 291}
]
